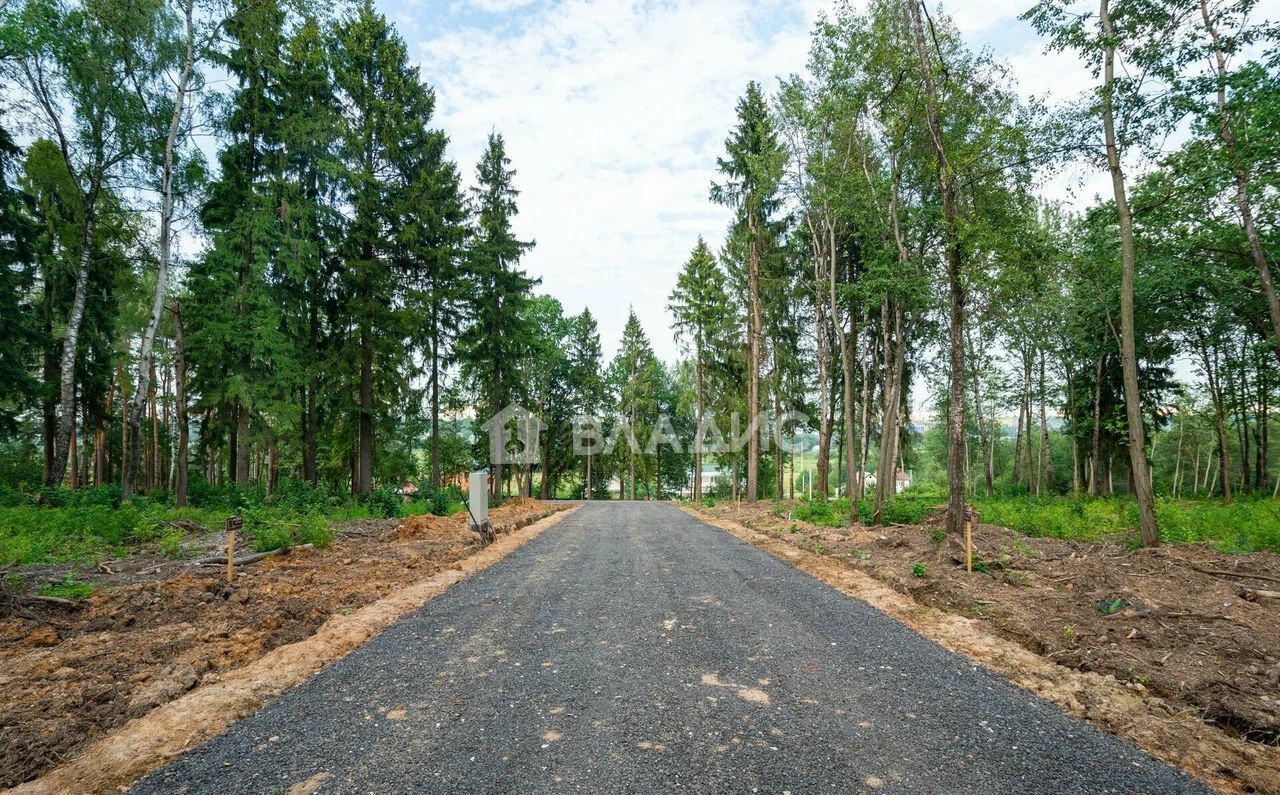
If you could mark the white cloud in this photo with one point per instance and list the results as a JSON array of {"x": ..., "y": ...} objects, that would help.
[{"x": 613, "y": 114}]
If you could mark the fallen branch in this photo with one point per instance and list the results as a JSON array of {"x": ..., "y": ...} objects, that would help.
[
  {"x": 221, "y": 560},
  {"x": 1243, "y": 575},
  {"x": 52, "y": 600},
  {"x": 1253, "y": 595}
]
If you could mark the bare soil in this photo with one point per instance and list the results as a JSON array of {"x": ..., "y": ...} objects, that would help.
[
  {"x": 1175, "y": 648},
  {"x": 157, "y": 629}
]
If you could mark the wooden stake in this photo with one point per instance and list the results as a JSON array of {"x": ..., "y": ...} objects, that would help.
[
  {"x": 234, "y": 523},
  {"x": 968, "y": 545},
  {"x": 231, "y": 555}
]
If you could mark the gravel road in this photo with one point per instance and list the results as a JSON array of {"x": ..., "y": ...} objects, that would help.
[{"x": 631, "y": 648}]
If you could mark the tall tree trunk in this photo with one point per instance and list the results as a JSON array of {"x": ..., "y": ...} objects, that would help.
[
  {"x": 698, "y": 439},
  {"x": 777, "y": 431},
  {"x": 240, "y": 447},
  {"x": 435, "y": 410},
  {"x": 1028, "y": 465},
  {"x": 754, "y": 346},
  {"x": 1017, "y": 444},
  {"x": 1243, "y": 203},
  {"x": 1047, "y": 452},
  {"x": 864, "y": 424},
  {"x": 1209, "y": 358},
  {"x": 946, "y": 184},
  {"x": 180, "y": 396},
  {"x": 823, "y": 343},
  {"x": 364, "y": 462},
  {"x": 850, "y": 353},
  {"x": 984, "y": 439},
  {"x": 70, "y": 341},
  {"x": 1149, "y": 530},
  {"x": 130, "y": 477},
  {"x": 310, "y": 409},
  {"x": 1095, "y": 485},
  {"x": 895, "y": 356}
]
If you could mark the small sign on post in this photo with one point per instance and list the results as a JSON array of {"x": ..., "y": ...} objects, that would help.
[
  {"x": 478, "y": 505},
  {"x": 234, "y": 523}
]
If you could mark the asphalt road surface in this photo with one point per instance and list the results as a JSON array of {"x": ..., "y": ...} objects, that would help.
[{"x": 631, "y": 648}]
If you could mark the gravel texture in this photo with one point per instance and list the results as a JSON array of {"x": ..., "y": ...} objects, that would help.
[{"x": 631, "y": 648}]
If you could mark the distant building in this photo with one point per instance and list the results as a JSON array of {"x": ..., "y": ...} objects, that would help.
[{"x": 904, "y": 481}]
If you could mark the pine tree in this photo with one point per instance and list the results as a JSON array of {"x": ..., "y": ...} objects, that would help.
[
  {"x": 700, "y": 311},
  {"x": 17, "y": 278},
  {"x": 588, "y": 387},
  {"x": 635, "y": 373},
  {"x": 234, "y": 341},
  {"x": 752, "y": 171},
  {"x": 310, "y": 221},
  {"x": 387, "y": 110},
  {"x": 497, "y": 335}
]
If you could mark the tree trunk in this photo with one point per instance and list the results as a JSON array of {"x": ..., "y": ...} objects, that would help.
[
  {"x": 1046, "y": 450},
  {"x": 946, "y": 184},
  {"x": 130, "y": 477},
  {"x": 698, "y": 438},
  {"x": 754, "y": 345},
  {"x": 777, "y": 431},
  {"x": 1149, "y": 530},
  {"x": 823, "y": 342},
  {"x": 895, "y": 355},
  {"x": 1209, "y": 359},
  {"x": 241, "y": 447},
  {"x": 1242, "y": 182},
  {"x": 435, "y": 411},
  {"x": 67, "y": 377},
  {"x": 864, "y": 424},
  {"x": 180, "y": 389},
  {"x": 364, "y": 463},
  {"x": 849, "y": 355},
  {"x": 988, "y": 472}
]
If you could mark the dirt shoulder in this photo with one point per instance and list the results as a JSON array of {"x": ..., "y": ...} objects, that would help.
[
  {"x": 134, "y": 675},
  {"x": 1174, "y": 649}
]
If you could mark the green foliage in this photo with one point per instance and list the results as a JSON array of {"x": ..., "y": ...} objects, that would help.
[
  {"x": 919, "y": 570},
  {"x": 69, "y": 588},
  {"x": 1244, "y": 526},
  {"x": 383, "y": 501}
]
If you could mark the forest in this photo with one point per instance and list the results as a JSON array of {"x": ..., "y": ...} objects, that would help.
[{"x": 242, "y": 271}]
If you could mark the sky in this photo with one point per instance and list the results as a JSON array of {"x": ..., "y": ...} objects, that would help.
[{"x": 614, "y": 114}]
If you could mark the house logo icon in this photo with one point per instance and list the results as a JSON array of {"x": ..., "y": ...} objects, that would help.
[{"x": 514, "y": 435}]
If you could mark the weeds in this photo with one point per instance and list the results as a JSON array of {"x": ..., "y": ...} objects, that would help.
[{"x": 919, "y": 570}]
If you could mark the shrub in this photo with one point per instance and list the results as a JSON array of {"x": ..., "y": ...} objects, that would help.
[
  {"x": 383, "y": 501},
  {"x": 919, "y": 570}
]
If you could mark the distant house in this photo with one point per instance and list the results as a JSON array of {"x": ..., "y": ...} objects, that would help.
[
  {"x": 409, "y": 490},
  {"x": 904, "y": 481}
]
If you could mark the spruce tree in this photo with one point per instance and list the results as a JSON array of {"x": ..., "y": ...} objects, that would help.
[
  {"x": 752, "y": 170},
  {"x": 498, "y": 334}
]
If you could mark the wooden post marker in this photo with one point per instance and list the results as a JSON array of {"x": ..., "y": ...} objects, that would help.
[
  {"x": 234, "y": 523},
  {"x": 968, "y": 545},
  {"x": 970, "y": 519}
]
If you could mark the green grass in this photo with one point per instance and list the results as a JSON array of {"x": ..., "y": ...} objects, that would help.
[
  {"x": 31, "y": 535},
  {"x": 1244, "y": 526},
  {"x": 89, "y": 528},
  {"x": 68, "y": 589},
  {"x": 1248, "y": 525}
]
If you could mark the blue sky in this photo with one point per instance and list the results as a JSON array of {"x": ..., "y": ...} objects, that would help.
[{"x": 614, "y": 114}]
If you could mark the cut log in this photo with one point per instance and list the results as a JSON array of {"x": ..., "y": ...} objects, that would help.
[{"x": 221, "y": 560}]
